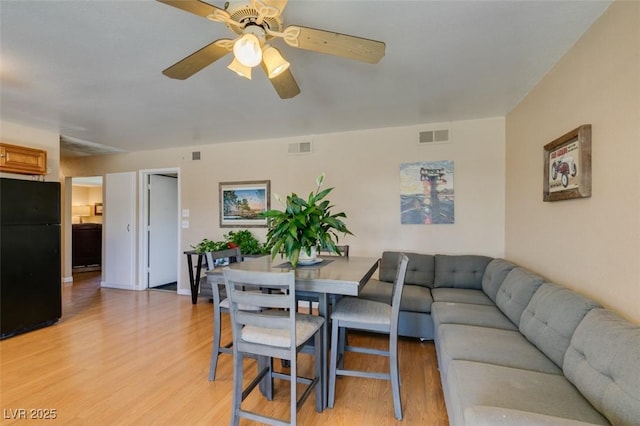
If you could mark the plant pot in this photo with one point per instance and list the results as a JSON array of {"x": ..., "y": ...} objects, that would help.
[{"x": 308, "y": 259}]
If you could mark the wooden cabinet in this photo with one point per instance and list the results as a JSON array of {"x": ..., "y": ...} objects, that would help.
[
  {"x": 20, "y": 159},
  {"x": 86, "y": 244}
]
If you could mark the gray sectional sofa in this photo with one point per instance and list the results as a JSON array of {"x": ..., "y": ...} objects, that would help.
[{"x": 513, "y": 348}]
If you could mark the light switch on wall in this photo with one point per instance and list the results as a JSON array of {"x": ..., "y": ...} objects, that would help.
[
  {"x": 185, "y": 224},
  {"x": 185, "y": 212}
]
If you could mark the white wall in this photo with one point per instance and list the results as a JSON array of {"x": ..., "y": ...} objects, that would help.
[
  {"x": 590, "y": 244},
  {"x": 364, "y": 168}
]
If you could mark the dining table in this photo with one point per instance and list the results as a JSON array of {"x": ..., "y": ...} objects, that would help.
[{"x": 331, "y": 275}]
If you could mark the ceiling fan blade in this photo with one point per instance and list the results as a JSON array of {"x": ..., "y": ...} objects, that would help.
[
  {"x": 196, "y": 7},
  {"x": 284, "y": 83},
  {"x": 193, "y": 63},
  {"x": 329, "y": 42}
]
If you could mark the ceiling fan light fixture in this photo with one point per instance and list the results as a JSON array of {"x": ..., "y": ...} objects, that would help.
[
  {"x": 274, "y": 61},
  {"x": 237, "y": 67},
  {"x": 247, "y": 50}
]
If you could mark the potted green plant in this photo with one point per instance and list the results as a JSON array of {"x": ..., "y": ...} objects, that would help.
[
  {"x": 304, "y": 226},
  {"x": 248, "y": 243},
  {"x": 206, "y": 245}
]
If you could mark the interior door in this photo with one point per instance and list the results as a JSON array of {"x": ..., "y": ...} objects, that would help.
[
  {"x": 119, "y": 230},
  {"x": 163, "y": 230}
]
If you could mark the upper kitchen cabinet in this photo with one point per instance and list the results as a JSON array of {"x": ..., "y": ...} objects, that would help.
[{"x": 23, "y": 160}]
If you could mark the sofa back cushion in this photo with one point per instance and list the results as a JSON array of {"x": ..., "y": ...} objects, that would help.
[
  {"x": 460, "y": 271},
  {"x": 420, "y": 269},
  {"x": 603, "y": 362},
  {"x": 494, "y": 276},
  {"x": 551, "y": 317},
  {"x": 516, "y": 291}
]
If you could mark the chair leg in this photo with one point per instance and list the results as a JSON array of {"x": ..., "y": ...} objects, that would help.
[
  {"x": 334, "y": 360},
  {"x": 318, "y": 370},
  {"x": 237, "y": 388},
  {"x": 215, "y": 350},
  {"x": 395, "y": 377},
  {"x": 293, "y": 403},
  {"x": 342, "y": 341}
]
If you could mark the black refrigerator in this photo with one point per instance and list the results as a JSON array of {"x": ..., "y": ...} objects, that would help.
[{"x": 30, "y": 271}]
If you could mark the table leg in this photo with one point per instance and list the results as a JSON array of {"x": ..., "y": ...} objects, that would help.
[
  {"x": 194, "y": 281},
  {"x": 323, "y": 311}
]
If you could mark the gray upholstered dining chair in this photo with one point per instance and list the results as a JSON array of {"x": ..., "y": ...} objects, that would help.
[
  {"x": 220, "y": 305},
  {"x": 368, "y": 315},
  {"x": 276, "y": 331}
]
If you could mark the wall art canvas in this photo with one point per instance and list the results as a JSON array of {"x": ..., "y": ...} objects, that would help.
[
  {"x": 426, "y": 193},
  {"x": 241, "y": 203}
]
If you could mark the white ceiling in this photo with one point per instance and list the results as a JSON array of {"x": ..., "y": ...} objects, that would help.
[{"x": 91, "y": 69}]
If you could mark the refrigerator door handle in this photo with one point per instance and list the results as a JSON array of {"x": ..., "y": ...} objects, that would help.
[{"x": 128, "y": 226}]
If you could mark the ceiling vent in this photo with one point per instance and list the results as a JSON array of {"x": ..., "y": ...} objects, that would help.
[
  {"x": 300, "y": 148},
  {"x": 433, "y": 136}
]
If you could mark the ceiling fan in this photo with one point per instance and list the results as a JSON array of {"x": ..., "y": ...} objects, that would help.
[{"x": 255, "y": 23}]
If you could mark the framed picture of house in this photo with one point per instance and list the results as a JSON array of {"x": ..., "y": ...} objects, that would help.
[
  {"x": 567, "y": 166},
  {"x": 241, "y": 203}
]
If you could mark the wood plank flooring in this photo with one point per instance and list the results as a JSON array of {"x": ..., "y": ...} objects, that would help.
[{"x": 140, "y": 358}]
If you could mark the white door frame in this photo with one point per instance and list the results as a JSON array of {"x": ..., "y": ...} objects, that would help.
[{"x": 143, "y": 236}]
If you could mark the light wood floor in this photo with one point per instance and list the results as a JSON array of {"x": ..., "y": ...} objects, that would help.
[{"x": 137, "y": 358}]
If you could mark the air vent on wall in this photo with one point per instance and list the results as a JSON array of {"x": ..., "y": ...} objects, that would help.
[
  {"x": 433, "y": 136},
  {"x": 300, "y": 148}
]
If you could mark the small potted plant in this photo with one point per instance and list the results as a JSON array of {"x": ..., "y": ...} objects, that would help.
[
  {"x": 248, "y": 243},
  {"x": 304, "y": 226}
]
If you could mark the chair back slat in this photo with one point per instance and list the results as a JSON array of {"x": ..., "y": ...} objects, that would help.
[
  {"x": 263, "y": 320},
  {"x": 343, "y": 249},
  {"x": 264, "y": 300}
]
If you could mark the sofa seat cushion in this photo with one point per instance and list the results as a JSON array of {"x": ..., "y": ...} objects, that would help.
[
  {"x": 551, "y": 317},
  {"x": 470, "y": 314},
  {"x": 494, "y": 276},
  {"x": 490, "y": 345},
  {"x": 481, "y": 415},
  {"x": 460, "y": 295},
  {"x": 603, "y": 361},
  {"x": 460, "y": 271},
  {"x": 415, "y": 298},
  {"x": 470, "y": 384},
  {"x": 516, "y": 291}
]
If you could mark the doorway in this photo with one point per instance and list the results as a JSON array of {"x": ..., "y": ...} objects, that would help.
[
  {"x": 160, "y": 231},
  {"x": 86, "y": 224}
]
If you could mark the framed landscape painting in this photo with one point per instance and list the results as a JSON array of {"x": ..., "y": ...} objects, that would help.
[
  {"x": 241, "y": 203},
  {"x": 426, "y": 193}
]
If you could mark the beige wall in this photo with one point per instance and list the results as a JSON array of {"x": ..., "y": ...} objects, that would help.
[
  {"x": 364, "y": 168},
  {"x": 86, "y": 196},
  {"x": 592, "y": 244}
]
